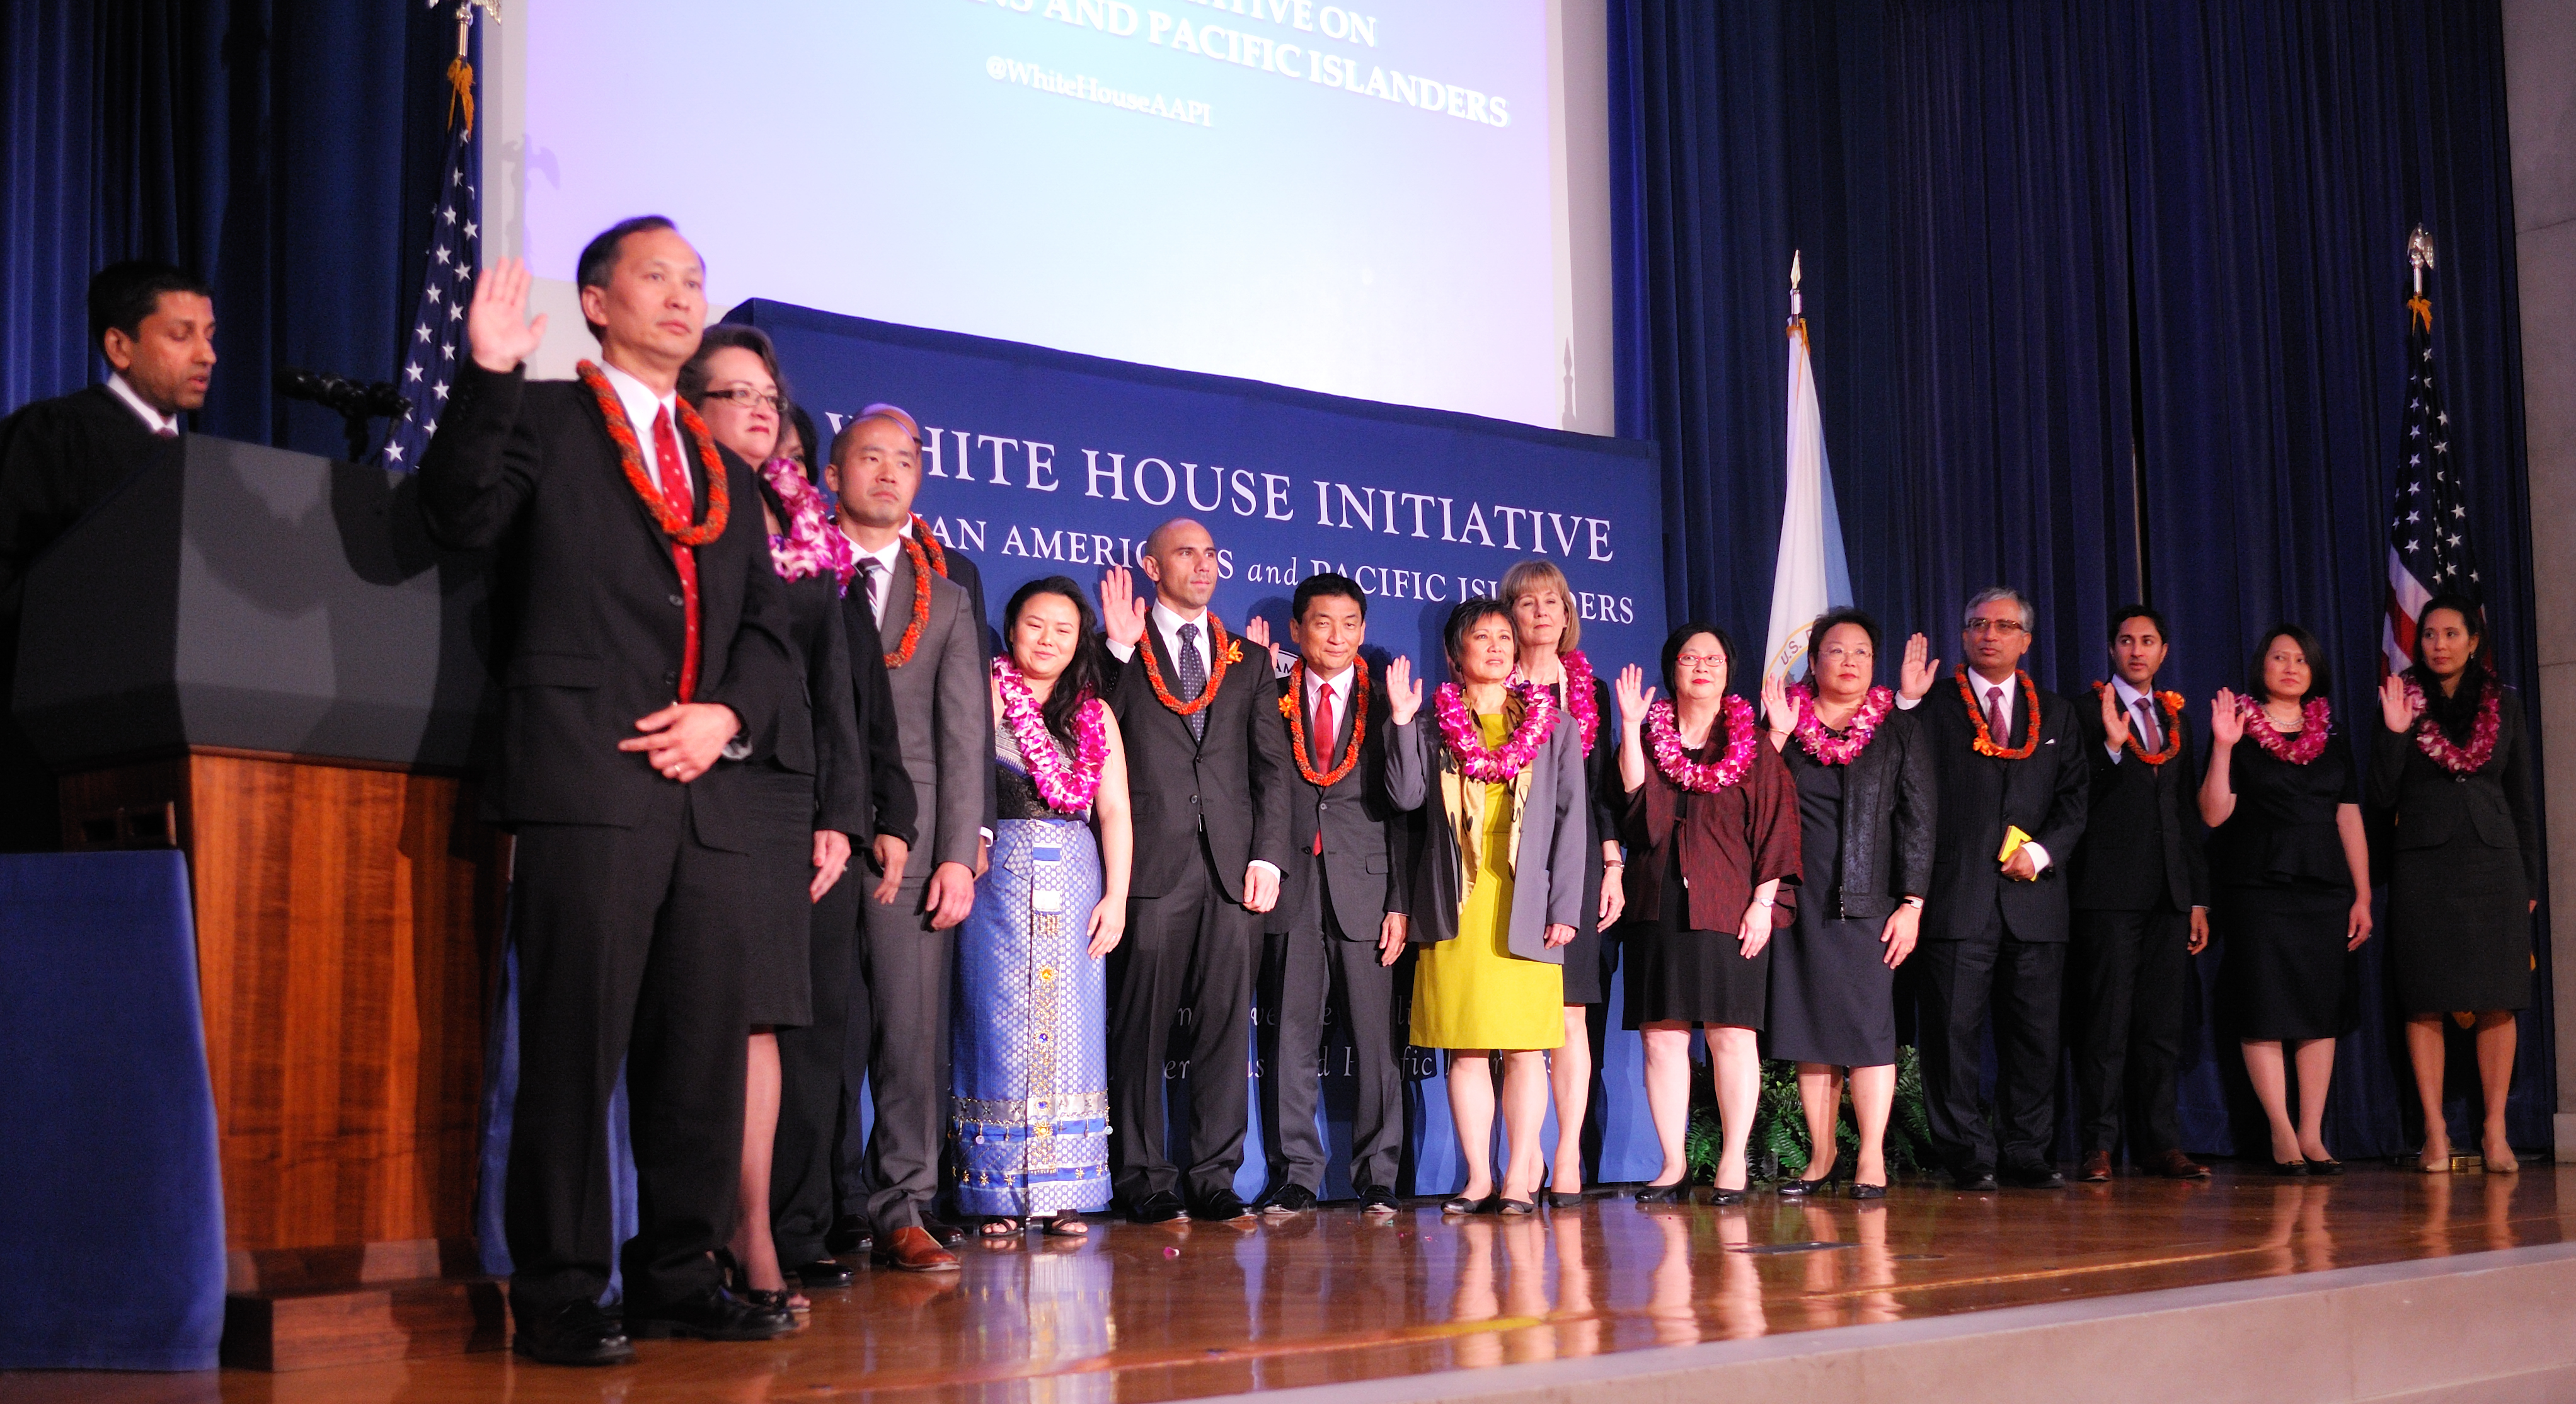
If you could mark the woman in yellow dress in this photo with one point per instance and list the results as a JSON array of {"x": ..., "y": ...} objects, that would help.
[{"x": 1497, "y": 772}]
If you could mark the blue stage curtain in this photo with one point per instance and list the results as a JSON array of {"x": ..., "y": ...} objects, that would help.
[
  {"x": 285, "y": 150},
  {"x": 2106, "y": 302}
]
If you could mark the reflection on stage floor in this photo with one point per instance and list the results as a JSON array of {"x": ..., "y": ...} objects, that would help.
[{"x": 1181, "y": 1311}]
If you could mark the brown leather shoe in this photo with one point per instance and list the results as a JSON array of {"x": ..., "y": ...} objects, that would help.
[
  {"x": 913, "y": 1250},
  {"x": 2174, "y": 1165},
  {"x": 2097, "y": 1168}
]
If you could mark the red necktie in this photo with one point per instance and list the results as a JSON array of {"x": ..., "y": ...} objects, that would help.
[
  {"x": 1323, "y": 739},
  {"x": 2147, "y": 728},
  {"x": 1995, "y": 716},
  {"x": 675, "y": 491}
]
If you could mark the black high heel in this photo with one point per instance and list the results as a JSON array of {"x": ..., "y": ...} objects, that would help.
[
  {"x": 1674, "y": 1193},
  {"x": 1566, "y": 1201},
  {"x": 2289, "y": 1168},
  {"x": 1862, "y": 1189},
  {"x": 1722, "y": 1198},
  {"x": 1514, "y": 1208},
  {"x": 1464, "y": 1205}
]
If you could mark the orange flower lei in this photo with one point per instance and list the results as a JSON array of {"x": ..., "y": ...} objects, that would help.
[
  {"x": 926, "y": 559},
  {"x": 2172, "y": 703},
  {"x": 1985, "y": 742},
  {"x": 1289, "y": 707},
  {"x": 1226, "y": 650},
  {"x": 630, "y": 456}
]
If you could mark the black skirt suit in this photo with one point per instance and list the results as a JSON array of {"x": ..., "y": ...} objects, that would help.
[{"x": 2466, "y": 865}]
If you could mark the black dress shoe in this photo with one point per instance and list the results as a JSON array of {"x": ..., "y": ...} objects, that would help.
[
  {"x": 712, "y": 1315},
  {"x": 1292, "y": 1198},
  {"x": 2325, "y": 1167},
  {"x": 1802, "y": 1188},
  {"x": 2289, "y": 1167},
  {"x": 1160, "y": 1207},
  {"x": 1377, "y": 1199},
  {"x": 1674, "y": 1193},
  {"x": 822, "y": 1272},
  {"x": 2033, "y": 1177},
  {"x": 849, "y": 1235},
  {"x": 947, "y": 1235},
  {"x": 579, "y": 1334},
  {"x": 1222, "y": 1207},
  {"x": 1974, "y": 1180}
]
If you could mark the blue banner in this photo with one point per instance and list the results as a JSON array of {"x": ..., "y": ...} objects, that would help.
[{"x": 1039, "y": 462}]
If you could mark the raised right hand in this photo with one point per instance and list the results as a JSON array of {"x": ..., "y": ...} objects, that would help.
[
  {"x": 2226, "y": 719},
  {"x": 1777, "y": 709},
  {"x": 1634, "y": 696},
  {"x": 2115, "y": 721},
  {"x": 497, "y": 329},
  {"x": 1403, "y": 691},
  {"x": 1121, "y": 612},
  {"x": 2395, "y": 707},
  {"x": 1921, "y": 669}
]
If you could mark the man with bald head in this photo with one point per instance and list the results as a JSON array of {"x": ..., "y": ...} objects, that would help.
[
  {"x": 1205, "y": 767},
  {"x": 932, "y": 632},
  {"x": 643, "y": 660}
]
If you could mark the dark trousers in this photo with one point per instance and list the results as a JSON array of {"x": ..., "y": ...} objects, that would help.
[
  {"x": 1189, "y": 948},
  {"x": 810, "y": 1062},
  {"x": 907, "y": 969},
  {"x": 2128, "y": 993},
  {"x": 1304, "y": 971},
  {"x": 629, "y": 953},
  {"x": 2020, "y": 984}
]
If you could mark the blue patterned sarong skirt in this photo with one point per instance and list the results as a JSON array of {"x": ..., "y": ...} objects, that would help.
[{"x": 1029, "y": 1042}]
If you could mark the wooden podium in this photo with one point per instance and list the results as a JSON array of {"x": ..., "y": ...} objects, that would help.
[{"x": 257, "y": 657}]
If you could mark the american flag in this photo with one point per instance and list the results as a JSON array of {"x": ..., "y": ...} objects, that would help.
[
  {"x": 437, "y": 329},
  {"x": 2429, "y": 550}
]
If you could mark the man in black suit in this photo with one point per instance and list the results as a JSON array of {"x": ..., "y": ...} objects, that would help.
[
  {"x": 2141, "y": 898},
  {"x": 642, "y": 649},
  {"x": 59, "y": 458},
  {"x": 1205, "y": 761},
  {"x": 1339, "y": 923},
  {"x": 1994, "y": 927}
]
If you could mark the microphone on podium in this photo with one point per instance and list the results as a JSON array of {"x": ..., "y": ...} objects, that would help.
[{"x": 355, "y": 402}]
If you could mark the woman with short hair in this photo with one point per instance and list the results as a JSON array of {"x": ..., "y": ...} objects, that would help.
[
  {"x": 1713, "y": 824},
  {"x": 1497, "y": 774},
  {"x": 2452, "y": 765},
  {"x": 1867, "y": 797}
]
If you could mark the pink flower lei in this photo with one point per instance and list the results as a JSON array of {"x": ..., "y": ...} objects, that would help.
[
  {"x": 1068, "y": 786},
  {"x": 811, "y": 545},
  {"x": 2434, "y": 742},
  {"x": 1498, "y": 765},
  {"x": 1664, "y": 740},
  {"x": 1846, "y": 748},
  {"x": 1578, "y": 696},
  {"x": 2311, "y": 742}
]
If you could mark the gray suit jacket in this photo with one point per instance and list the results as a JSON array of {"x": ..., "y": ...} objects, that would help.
[
  {"x": 1547, "y": 871},
  {"x": 944, "y": 712}
]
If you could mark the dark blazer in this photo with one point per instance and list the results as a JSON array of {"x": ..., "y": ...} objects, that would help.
[
  {"x": 588, "y": 633},
  {"x": 2431, "y": 805},
  {"x": 1547, "y": 867},
  {"x": 938, "y": 714},
  {"x": 893, "y": 807},
  {"x": 2142, "y": 844},
  {"x": 2044, "y": 793},
  {"x": 1231, "y": 784},
  {"x": 824, "y": 705},
  {"x": 59, "y": 458},
  {"x": 1890, "y": 823},
  {"x": 963, "y": 573},
  {"x": 1367, "y": 839}
]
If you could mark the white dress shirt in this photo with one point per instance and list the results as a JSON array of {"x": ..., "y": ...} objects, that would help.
[
  {"x": 641, "y": 405},
  {"x": 2011, "y": 703},
  {"x": 879, "y": 580},
  {"x": 166, "y": 425}
]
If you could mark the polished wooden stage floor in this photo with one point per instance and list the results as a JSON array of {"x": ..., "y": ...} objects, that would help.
[{"x": 1178, "y": 1312}]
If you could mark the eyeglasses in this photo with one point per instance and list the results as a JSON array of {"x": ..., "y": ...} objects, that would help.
[
  {"x": 747, "y": 397},
  {"x": 1836, "y": 653},
  {"x": 1983, "y": 625},
  {"x": 1699, "y": 662}
]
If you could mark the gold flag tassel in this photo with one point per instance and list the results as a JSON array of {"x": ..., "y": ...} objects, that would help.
[{"x": 460, "y": 78}]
